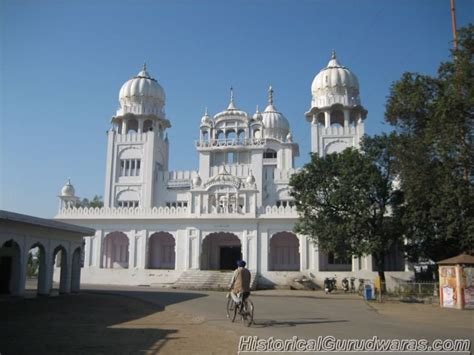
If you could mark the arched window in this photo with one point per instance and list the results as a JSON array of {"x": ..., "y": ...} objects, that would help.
[
  {"x": 320, "y": 119},
  {"x": 257, "y": 134},
  {"x": 205, "y": 136},
  {"x": 231, "y": 135},
  {"x": 269, "y": 154},
  {"x": 147, "y": 126},
  {"x": 220, "y": 135},
  {"x": 231, "y": 157},
  {"x": 241, "y": 136},
  {"x": 132, "y": 126},
  {"x": 337, "y": 118}
]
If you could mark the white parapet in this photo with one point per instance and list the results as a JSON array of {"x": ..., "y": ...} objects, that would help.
[{"x": 169, "y": 213}]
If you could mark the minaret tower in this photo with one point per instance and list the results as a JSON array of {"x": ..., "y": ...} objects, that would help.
[
  {"x": 137, "y": 148},
  {"x": 336, "y": 114},
  {"x": 67, "y": 197}
]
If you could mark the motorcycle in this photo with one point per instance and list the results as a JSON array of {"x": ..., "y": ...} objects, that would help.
[
  {"x": 330, "y": 284},
  {"x": 353, "y": 288},
  {"x": 345, "y": 284}
]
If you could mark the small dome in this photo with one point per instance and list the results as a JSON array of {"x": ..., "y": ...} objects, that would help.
[
  {"x": 257, "y": 116},
  {"x": 206, "y": 119},
  {"x": 289, "y": 137},
  {"x": 231, "y": 112},
  {"x": 335, "y": 84},
  {"x": 68, "y": 190},
  {"x": 275, "y": 124},
  {"x": 142, "y": 89}
]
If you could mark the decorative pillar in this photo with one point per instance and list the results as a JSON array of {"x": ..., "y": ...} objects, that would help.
[
  {"x": 132, "y": 247},
  {"x": 45, "y": 283},
  {"x": 65, "y": 278},
  {"x": 368, "y": 263},
  {"x": 315, "y": 266},
  {"x": 355, "y": 264},
  {"x": 124, "y": 126},
  {"x": 303, "y": 251},
  {"x": 346, "y": 119},
  {"x": 98, "y": 243},
  {"x": 327, "y": 119},
  {"x": 264, "y": 251}
]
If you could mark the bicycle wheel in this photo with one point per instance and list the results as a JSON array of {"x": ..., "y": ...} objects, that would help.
[
  {"x": 230, "y": 307},
  {"x": 248, "y": 313}
]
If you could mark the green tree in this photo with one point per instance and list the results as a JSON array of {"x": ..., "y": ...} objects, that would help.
[
  {"x": 95, "y": 202},
  {"x": 348, "y": 204},
  {"x": 433, "y": 118}
]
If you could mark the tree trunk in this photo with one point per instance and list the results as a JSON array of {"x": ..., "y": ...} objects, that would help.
[{"x": 380, "y": 263}]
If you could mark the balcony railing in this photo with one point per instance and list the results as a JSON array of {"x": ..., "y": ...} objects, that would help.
[
  {"x": 230, "y": 142},
  {"x": 173, "y": 212}
]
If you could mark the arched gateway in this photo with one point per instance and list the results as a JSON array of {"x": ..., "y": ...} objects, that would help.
[
  {"x": 284, "y": 252},
  {"x": 161, "y": 251},
  {"x": 220, "y": 251}
]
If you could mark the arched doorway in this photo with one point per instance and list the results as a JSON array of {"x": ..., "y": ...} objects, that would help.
[
  {"x": 76, "y": 270},
  {"x": 161, "y": 251},
  {"x": 116, "y": 251},
  {"x": 284, "y": 252},
  {"x": 10, "y": 268},
  {"x": 60, "y": 261},
  {"x": 220, "y": 251},
  {"x": 36, "y": 277}
]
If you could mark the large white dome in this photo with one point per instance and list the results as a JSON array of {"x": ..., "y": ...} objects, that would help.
[
  {"x": 335, "y": 84},
  {"x": 275, "y": 124},
  {"x": 144, "y": 91}
]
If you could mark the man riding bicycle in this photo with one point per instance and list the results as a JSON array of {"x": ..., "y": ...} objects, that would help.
[{"x": 240, "y": 284}]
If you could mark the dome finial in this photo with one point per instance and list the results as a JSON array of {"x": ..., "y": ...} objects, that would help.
[
  {"x": 144, "y": 66},
  {"x": 333, "y": 55},
  {"x": 270, "y": 95},
  {"x": 205, "y": 112},
  {"x": 231, "y": 104},
  {"x": 257, "y": 110}
]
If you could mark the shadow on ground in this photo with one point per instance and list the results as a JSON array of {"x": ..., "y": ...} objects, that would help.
[
  {"x": 164, "y": 299},
  {"x": 264, "y": 323},
  {"x": 80, "y": 324}
]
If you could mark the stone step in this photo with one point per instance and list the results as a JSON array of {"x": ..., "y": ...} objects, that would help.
[{"x": 207, "y": 280}]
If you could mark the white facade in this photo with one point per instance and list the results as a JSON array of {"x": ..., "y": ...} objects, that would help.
[{"x": 156, "y": 223}]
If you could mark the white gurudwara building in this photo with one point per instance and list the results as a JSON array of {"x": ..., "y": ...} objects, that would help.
[{"x": 174, "y": 227}]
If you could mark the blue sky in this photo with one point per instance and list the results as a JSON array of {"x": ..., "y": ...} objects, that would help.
[{"x": 63, "y": 63}]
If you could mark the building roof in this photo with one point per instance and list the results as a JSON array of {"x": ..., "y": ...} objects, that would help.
[
  {"x": 7, "y": 216},
  {"x": 460, "y": 259}
]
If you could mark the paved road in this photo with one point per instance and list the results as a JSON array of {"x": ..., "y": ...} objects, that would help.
[{"x": 308, "y": 314}]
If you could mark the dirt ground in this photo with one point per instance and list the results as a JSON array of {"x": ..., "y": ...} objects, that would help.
[{"x": 98, "y": 323}]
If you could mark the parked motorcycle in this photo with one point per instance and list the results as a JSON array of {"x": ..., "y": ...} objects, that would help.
[
  {"x": 330, "y": 284},
  {"x": 353, "y": 288},
  {"x": 345, "y": 284}
]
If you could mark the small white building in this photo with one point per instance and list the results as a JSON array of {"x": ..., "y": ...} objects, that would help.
[
  {"x": 27, "y": 240},
  {"x": 157, "y": 225}
]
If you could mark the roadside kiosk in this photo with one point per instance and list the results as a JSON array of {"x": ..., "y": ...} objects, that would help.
[{"x": 456, "y": 282}]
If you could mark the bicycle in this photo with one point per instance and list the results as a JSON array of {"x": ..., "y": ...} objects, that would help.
[{"x": 245, "y": 309}]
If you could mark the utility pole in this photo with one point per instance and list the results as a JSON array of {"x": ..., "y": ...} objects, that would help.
[{"x": 453, "y": 23}]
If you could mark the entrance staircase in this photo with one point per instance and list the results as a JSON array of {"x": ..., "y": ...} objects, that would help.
[{"x": 208, "y": 280}]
